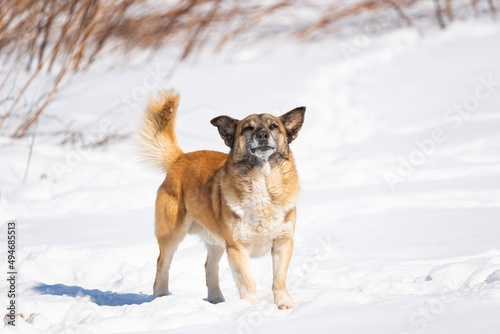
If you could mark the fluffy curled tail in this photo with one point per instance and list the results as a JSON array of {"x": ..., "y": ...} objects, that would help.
[{"x": 156, "y": 133}]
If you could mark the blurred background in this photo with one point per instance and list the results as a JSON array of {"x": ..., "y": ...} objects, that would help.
[{"x": 46, "y": 45}]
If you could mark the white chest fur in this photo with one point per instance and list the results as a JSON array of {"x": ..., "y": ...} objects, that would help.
[{"x": 261, "y": 214}]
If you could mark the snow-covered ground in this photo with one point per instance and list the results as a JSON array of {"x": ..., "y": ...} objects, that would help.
[{"x": 399, "y": 219}]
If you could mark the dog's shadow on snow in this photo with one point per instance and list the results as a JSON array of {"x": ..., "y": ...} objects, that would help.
[{"x": 101, "y": 298}]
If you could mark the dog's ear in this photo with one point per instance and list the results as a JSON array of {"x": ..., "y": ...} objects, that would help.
[
  {"x": 293, "y": 121},
  {"x": 227, "y": 128}
]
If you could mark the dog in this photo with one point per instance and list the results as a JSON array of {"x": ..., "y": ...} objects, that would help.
[{"x": 243, "y": 202}]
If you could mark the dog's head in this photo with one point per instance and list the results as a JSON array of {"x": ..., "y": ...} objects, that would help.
[{"x": 260, "y": 138}]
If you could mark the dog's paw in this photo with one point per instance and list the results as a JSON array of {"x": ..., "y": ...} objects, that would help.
[
  {"x": 285, "y": 306},
  {"x": 284, "y": 302},
  {"x": 252, "y": 299},
  {"x": 215, "y": 298}
]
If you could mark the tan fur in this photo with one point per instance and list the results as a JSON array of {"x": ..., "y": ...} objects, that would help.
[
  {"x": 157, "y": 130},
  {"x": 242, "y": 202}
]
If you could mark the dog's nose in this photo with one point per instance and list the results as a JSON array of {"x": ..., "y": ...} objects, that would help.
[{"x": 262, "y": 135}]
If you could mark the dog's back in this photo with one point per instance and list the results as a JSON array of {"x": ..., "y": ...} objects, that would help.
[{"x": 187, "y": 183}]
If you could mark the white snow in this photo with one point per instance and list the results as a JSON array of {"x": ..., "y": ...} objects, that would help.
[{"x": 398, "y": 221}]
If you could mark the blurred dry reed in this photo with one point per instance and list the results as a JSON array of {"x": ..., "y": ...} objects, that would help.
[{"x": 67, "y": 36}]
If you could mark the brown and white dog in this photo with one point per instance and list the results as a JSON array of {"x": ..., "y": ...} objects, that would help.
[{"x": 242, "y": 202}]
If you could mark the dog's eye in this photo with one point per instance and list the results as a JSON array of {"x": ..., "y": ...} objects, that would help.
[
  {"x": 273, "y": 126},
  {"x": 248, "y": 128}
]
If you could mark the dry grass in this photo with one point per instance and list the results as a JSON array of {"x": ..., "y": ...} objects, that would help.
[{"x": 67, "y": 36}]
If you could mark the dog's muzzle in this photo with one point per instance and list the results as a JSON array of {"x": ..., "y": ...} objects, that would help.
[
  {"x": 262, "y": 144},
  {"x": 262, "y": 149}
]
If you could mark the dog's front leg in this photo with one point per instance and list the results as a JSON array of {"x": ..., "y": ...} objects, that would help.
[
  {"x": 281, "y": 253},
  {"x": 239, "y": 261}
]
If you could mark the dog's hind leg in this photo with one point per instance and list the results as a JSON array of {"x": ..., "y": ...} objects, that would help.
[
  {"x": 214, "y": 255},
  {"x": 170, "y": 231},
  {"x": 168, "y": 246}
]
